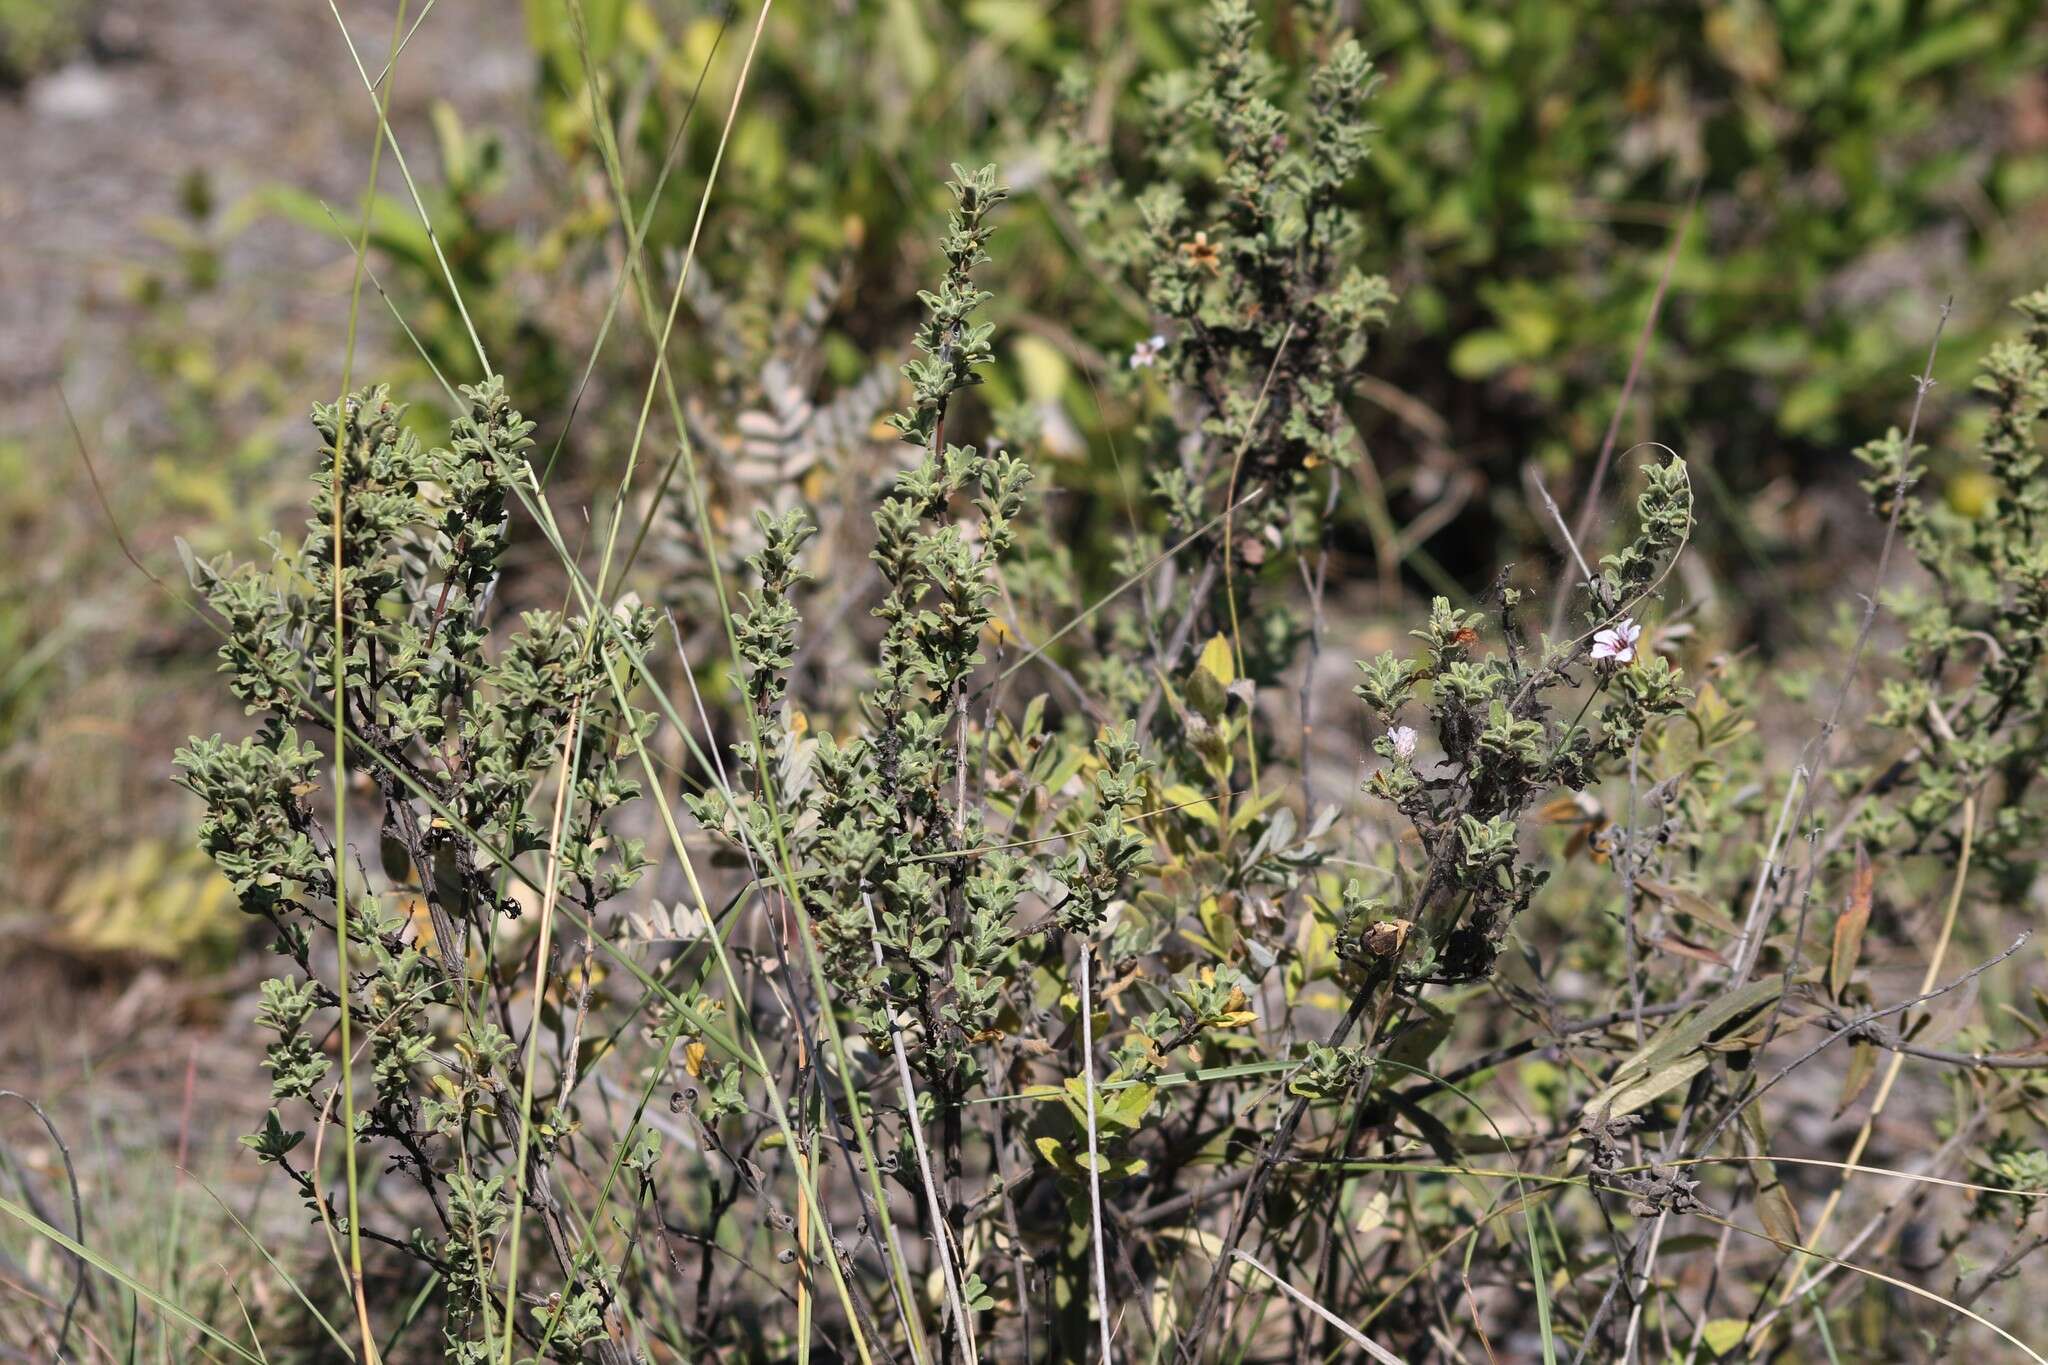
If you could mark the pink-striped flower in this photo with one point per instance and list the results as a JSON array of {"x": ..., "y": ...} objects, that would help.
[{"x": 1617, "y": 643}]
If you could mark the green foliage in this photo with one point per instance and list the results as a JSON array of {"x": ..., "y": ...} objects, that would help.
[
  {"x": 1524, "y": 174},
  {"x": 1503, "y": 750},
  {"x": 36, "y": 35},
  {"x": 1971, "y": 690},
  {"x": 1541, "y": 154},
  {"x": 456, "y": 734},
  {"x": 1033, "y": 981},
  {"x": 1252, "y": 273},
  {"x": 1528, "y": 169}
]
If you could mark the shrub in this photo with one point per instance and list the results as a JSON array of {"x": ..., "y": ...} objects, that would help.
[{"x": 1009, "y": 1022}]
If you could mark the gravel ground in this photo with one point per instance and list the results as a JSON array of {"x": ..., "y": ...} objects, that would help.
[
  {"x": 175, "y": 386},
  {"x": 134, "y": 1062}
]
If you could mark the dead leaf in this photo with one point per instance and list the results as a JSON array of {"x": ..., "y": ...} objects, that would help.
[
  {"x": 1688, "y": 903},
  {"x": 1947, "y": 1017},
  {"x": 1849, "y": 927},
  {"x": 1774, "y": 1206},
  {"x": 1678, "y": 1051},
  {"x": 1862, "y": 1066},
  {"x": 1678, "y": 947}
]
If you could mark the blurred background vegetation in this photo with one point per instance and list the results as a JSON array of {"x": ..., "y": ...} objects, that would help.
[{"x": 1826, "y": 171}]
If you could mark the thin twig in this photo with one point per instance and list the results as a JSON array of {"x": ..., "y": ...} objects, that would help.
[
  {"x": 1589, "y": 502},
  {"x": 1094, "y": 1157},
  {"x": 77, "y": 1215}
]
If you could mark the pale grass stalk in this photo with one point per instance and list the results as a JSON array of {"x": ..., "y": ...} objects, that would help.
[
  {"x": 419, "y": 204},
  {"x": 1635, "y": 1312},
  {"x": 1500, "y": 1173},
  {"x": 655, "y": 379},
  {"x": 1894, "y": 1281},
  {"x": 1144, "y": 571},
  {"x": 1553, "y": 1184},
  {"x": 565, "y": 782},
  {"x": 659, "y": 379},
  {"x": 949, "y": 1245},
  {"x": 1748, "y": 949},
  {"x": 1848, "y": 1169},
  {"x": 611, "y": 539},
  {"x": 1752, "y": 926},
  {"x": 1715, "y": 1271},
  {"x": 1556, "y": 514},
  {"x": 321, "y": 1121},
  {"x": 1861, "y": 1238},
  {"x": 1364, "y": 1342},
  {"x": 399, "y": 51},
  {"x": 684, "y": 456},
  {"x": 276, "y": 1268},
  {"x": 1922, "y": 386},
  {"x": 339, "y": 685},
  {"x": 806, "y": 1177},
  {"x": 777, "y": 1109},
  {"x": 900, "y": 1276},
  {"x": 1898, "y": 1059},
  {"x": 63, "y": 1241},
  {"x": 77, "y": 1205},
  {"x": 1230, "y": 560},
  {"x": 313, "y": 1176},
  {"x": 782, "y": 866}
]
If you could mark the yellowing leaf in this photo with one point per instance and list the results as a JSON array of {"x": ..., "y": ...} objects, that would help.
[
  {"x": 1218, "y": 659},
  {"x": 1970, "y": 492},
  {"x": 1723, "y": 1335},
  {"x": 1041, "y": 366},
  {"x": 1188, "y": 799},
  {"x": 1127, "y": 1106},
  {"x": 642, "y": 29},
  {"x": 1252, "y": 808},
  {"x": 1483, "y": 353}
]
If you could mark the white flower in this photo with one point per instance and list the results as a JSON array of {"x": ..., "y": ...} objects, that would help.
[
  {"x": 1617, "y": 642},
  {"x": 1403, "y": 739},
  {"x": 1147, "y": 351}
]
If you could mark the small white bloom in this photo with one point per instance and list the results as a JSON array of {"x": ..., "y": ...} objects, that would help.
[
  {"x": 1403, "y": 738},
  {"x": 1147, "y": 351},
  {"x": 1617, "y": 642}
]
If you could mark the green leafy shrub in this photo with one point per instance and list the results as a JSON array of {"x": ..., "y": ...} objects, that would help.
[
  {"x": 1533, "y": 169},
  {"x": 1973, "y": 693},
  {"x": 1027, "y": 1004},
  {"x": 454, "y": 733},
  {"x": 36, "y": 35}
]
